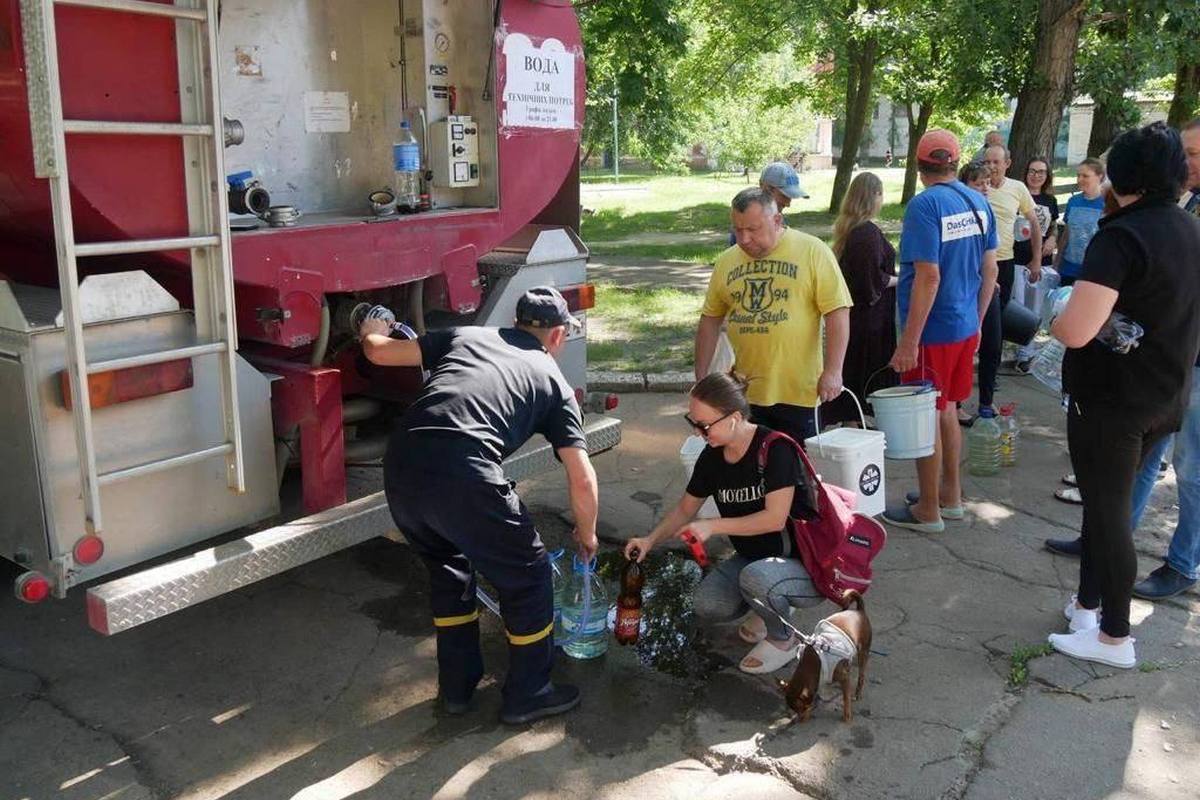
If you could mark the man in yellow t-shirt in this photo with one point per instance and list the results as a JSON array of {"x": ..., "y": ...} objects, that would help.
[
  {"x": 772, "y": 290},
  {"x": 1008, "y": 199}
]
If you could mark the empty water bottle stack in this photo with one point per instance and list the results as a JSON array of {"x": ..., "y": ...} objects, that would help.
[
  {"x": 1010, "y": 434},
  {"x": 983, "y": 444},
  {"x": 585, "y": 612}
]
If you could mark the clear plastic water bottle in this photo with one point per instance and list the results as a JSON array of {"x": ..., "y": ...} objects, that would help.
[
  {"x": 558, "y": 578},
  {"x": 983, "y": 444},
  {"x": 1010, "y": 433},
  {"x": 406, "y": 159},
  {"x": 1047, "y": 364},
  {"x": 585, "y": 613}
]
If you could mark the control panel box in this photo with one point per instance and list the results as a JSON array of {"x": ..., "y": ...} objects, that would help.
[{"x": 454, "y": 152}]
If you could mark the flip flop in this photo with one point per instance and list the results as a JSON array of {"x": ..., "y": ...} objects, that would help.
[
  {"x": 948, "y": 512},
  {"x": 902, "y": 517},
  {"x": 751, "y": 635},
  {"x": 1070, "y": 496},
  {"x": 770, "y": 658}
]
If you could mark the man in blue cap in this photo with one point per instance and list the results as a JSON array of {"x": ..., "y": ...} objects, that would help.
[
  {"x": 782, "y": 182},
  {"x": 489, "y": 391},
  {"x": 779, "y": 180}
]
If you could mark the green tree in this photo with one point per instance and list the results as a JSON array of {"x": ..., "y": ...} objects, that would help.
[
  {"x": 1181, "y": 31},
  {"x": 632, "y": 48},
  {"x": 738, "y": 125},
  {"x": 939, "y": 69},
  {"x": 1120, "y": 49},
  {"x": 838, "y": 46},
  {"x": 1047, "y": 85}
]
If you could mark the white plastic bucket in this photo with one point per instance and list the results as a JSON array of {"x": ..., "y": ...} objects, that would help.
[
  {"x": 907, "y": 415},
  {"x": 689, "y": 452},
  {"x": 852, "y": 459}
]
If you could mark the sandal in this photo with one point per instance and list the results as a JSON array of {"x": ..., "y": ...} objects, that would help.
[
  {"x": 1069, "y": 480},
  {"x": 1069, "y": 495},
  {"x": 750, "y": 632},
  {"x": 769, "y": 657}
]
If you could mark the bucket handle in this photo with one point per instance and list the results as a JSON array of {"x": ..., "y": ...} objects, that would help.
[
  {"x": 923, "y": 367},
  {"x": 817, "y": 417}
]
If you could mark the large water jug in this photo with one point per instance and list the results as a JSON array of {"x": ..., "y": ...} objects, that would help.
[
  {"x": 1010, "y": 434},
  {"x": 559, "y": 578},
  {"x": 983, "y": 444},
  {"x": 406, "y": 159},
  {"x": 585, "y": 612}
]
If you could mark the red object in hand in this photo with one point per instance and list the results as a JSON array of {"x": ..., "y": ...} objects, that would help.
[{"x": 698, "y": 551}]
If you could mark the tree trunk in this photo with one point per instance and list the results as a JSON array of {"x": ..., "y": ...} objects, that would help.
[
  {"x": 1187, "y": 94},
  {"x": 916, "y": 129},
  {"x": 1048, "y": 84},
  {"x": 1105, "y": 127},
  {"x": 587, "y": 154},
  {"x": 860, "y": 75}
]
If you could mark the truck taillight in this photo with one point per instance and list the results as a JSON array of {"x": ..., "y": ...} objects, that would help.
[
  {"x": 88, "y": 550},
  {"x": 121, "y": 385},
  {"x": 581, "y": 297},
  {"x": 596, "y": 402},
  {"x": 32, "y": 587}
]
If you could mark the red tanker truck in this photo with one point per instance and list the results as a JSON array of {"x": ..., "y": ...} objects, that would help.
[{"x": 195, "y": 198}]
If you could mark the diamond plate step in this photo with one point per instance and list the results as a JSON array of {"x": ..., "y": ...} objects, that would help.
[{"x": 144, "y": 596}]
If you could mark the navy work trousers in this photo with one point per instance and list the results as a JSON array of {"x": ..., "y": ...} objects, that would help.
[{"x": 458, "y": 525}]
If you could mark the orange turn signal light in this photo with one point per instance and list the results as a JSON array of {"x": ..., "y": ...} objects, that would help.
[
  {"x": 581, "y": 297},
  {"x": 133, "y": 383}
]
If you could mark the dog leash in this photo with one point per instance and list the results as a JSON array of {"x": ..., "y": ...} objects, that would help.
[{"x": 804, "y": 638}]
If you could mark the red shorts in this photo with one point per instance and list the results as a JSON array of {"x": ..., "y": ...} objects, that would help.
[{"x": 949, "y": 366}]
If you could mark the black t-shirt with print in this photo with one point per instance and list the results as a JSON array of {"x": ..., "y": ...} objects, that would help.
[
  {"x": 1046, "y": 206},
  {"x": 740, "y": 491}
]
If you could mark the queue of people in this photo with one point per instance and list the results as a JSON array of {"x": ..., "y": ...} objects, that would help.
[{"x": 806, "y": 321}]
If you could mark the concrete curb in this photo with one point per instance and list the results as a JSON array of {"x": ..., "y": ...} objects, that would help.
[{"x": 630, "y": 382}]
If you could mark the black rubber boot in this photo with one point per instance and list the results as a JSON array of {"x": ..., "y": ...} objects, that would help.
[
  {"x": 546, "y": 703},
  {"x": 1065, "y": 547}
]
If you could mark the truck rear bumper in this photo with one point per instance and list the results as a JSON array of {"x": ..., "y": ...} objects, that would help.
[{"x": 141, "y": 597}]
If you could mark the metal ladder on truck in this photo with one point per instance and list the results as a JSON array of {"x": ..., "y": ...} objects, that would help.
[{"x": 201, "y": 131}]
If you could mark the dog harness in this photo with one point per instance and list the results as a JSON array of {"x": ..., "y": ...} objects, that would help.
[{"x": 832, "y": 645}]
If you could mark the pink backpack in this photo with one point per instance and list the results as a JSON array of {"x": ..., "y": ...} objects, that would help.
[{"x": 837, "y": 545}]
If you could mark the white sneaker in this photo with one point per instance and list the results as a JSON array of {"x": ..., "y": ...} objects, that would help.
[
  {"x": 1086, "y": 645},
  {"x": 1081, "y": 619}
]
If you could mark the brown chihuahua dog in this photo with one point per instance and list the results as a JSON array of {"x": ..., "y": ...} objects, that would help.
[{"x": 838, "y": 642}]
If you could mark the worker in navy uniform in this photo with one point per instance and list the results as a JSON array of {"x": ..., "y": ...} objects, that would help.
[{"x": 489, "y": 391}]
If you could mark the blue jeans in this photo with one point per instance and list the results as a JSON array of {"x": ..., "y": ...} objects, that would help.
[{"x": 1184, "y": 552}]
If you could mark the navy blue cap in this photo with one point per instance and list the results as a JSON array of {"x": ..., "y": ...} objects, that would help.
[{"x": 544, "y": 307}]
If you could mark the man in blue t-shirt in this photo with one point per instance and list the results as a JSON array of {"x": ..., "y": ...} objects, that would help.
[{"x": 947, "y": 277}]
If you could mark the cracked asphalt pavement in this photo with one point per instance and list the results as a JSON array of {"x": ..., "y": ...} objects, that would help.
[{"x": 320, "y": 683}]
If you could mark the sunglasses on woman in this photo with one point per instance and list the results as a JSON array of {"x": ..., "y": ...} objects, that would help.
[{"x": 703, "y": 428}]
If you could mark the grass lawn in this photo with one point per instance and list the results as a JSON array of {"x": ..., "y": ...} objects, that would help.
[
  {"x": 683, "y": 218},
  {"x": 686, "y": 217},
  {"x": 642, "y": 330}
]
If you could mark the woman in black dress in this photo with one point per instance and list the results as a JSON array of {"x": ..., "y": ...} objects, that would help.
[{"x": 868, "y": 263}]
